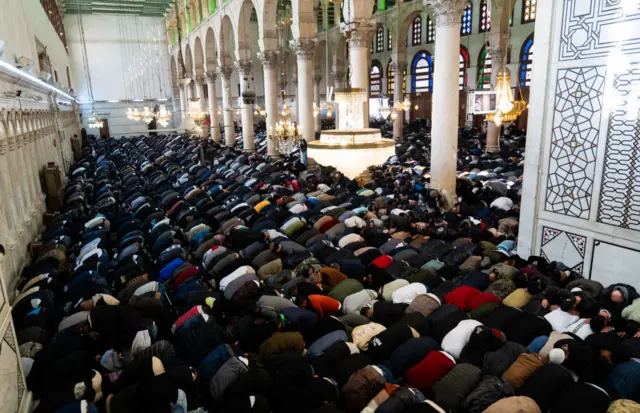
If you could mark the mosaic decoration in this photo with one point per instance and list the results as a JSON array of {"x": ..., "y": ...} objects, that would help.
[
  {"x": 620, "y": 193},
  {"x": 576, "y": 124},
  {"x": 564, "y": 247},
  {"x": 593, "y": 28}
]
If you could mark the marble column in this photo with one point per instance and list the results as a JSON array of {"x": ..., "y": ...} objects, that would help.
[
  {"x": 304, "y": 48},
  {"x": 339, "y": 77},
  {"x": 227, "y": 110},
  {"x": 213, "y": 106},
  {"x": 295, "y": 85},
  {"x": 316, "y": 97},
  {"x": 493, "y": 131},
  {"x": 444, "y": 130},
  {"x": 199, "y": 86},
  {"x": 14, "y": 168},
  {"x": 398, "y": 123},
  {"x": 269, "y": 59},
  {"x": 183, "y": 101},
  {"x": 244, "y": 70},
  {"x": 359, "y": 43}
]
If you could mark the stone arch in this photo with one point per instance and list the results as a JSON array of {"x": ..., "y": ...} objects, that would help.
[
  {"x": 174, "y": 73},
  {"x": 11, "y": 127},
  {"x": 210, "y": 56},
  {"x": 319, "y": 56},
  {"x": 225, "y": 41},
  {"x": 401, "y": 35},
  {"x": 243, "y": 34},
  {"x": 339, "y": 58},
  {"x": 304, "y": 19},
  {"x": 198, "y": 55},
  {"x": 188, "y": 60}
]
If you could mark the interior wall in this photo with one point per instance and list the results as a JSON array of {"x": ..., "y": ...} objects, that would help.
[
  {"x": 20, "y": 33},
  {"x": 127, "y": 57}
]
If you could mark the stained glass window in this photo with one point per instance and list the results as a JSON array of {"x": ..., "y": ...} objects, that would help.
[
  {"x": 389, "y": 40},
  {"x": 375, "y": 80},
  {"x": 431, "y": 30},
  {"x": 404, "y": 82},
  {"x": 485, "y": 16},
  {"x": 467, "y": 20},
  {"x": 390, "y": 77},
  {"x": 529, "y": 11},
  {"x": 464, "y": 63},
  {"x": 484, "y": 69},
  {"x": 417, "y": 31},
  {"x": 526, "y": 60},
  {"x": 422, "y": 72},
  {"x": 380, "y": 40}
]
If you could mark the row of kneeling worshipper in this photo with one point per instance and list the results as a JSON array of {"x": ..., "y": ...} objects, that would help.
[{"x": 236, "y": 285}]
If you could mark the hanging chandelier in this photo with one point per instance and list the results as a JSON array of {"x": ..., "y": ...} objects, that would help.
[
  {"x": 286, "y": 135},
  {"x": 163, "y": 116},
  {"x": 406, "y": 105},
  {"x": 384, "y": 110},
  {"x": 259, "y": 111},
  {"x": 194, "y": 110},
  {"x": 94, "y": 121},
  {"x": 508, "y": 109}
]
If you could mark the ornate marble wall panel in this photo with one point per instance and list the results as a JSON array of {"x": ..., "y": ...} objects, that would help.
[
  {"x": 563, "y": 246},
  {"x": 574, "y": 141},
  {"x": 581, "y": 192},
  {"x": 593, "y": 28},
  {"x": 620, "y": 192}
]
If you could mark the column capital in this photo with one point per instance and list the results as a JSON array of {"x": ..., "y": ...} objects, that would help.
[
  {"x": 210, "y": 76},
  {"x": 316, "y": 79},
  {"x": 224, "y": 71},
  {"x": 244, "y": 67},
  {"x": 3, "y": 147},
  {"x": 269, "y": 58},
  {"x": 398, "y": 66},
  {"x": 358, "y": 32},
  {"x": 447, "y": 12},
  {"x": 199, "y": 79},
  {"x": 339, "y": 75},
  {"x": 303, "y": 47},
  {"x": 184, "y": 81}
]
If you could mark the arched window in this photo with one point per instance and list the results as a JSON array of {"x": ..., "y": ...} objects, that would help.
[
  {"x": 484, "y": 69},
  {"x": 431, "y": 30},
  {"x": 464, "y": 63},
  {"x": 526, "y": 60},
  {"x": 320, "y": 18},
  {"x": 467, "y": 21},
  {"x": 375, "y": 79},
  {"x": 380, "y": 40},
  {"x": 422, "y": 72},
  {"x": 529, "y": 11},
  {"x": 389, "y": 40},
  {"x": 416, "y": 37},
  {"x": 390, "y": 77},
  {"x": 331, "y": 14},
  {"x": 485, "y": 16}
]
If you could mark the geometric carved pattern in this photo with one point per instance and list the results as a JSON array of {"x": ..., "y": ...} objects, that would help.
[
  {"x": 576, "y": 124},
  {"x": 564, "y": 247},
  {"x": 593, "y": 28},
  {"x": 620, "y": 194}
]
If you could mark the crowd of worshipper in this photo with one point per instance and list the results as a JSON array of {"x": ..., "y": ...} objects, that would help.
[{"x": 184, "y": 276}]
